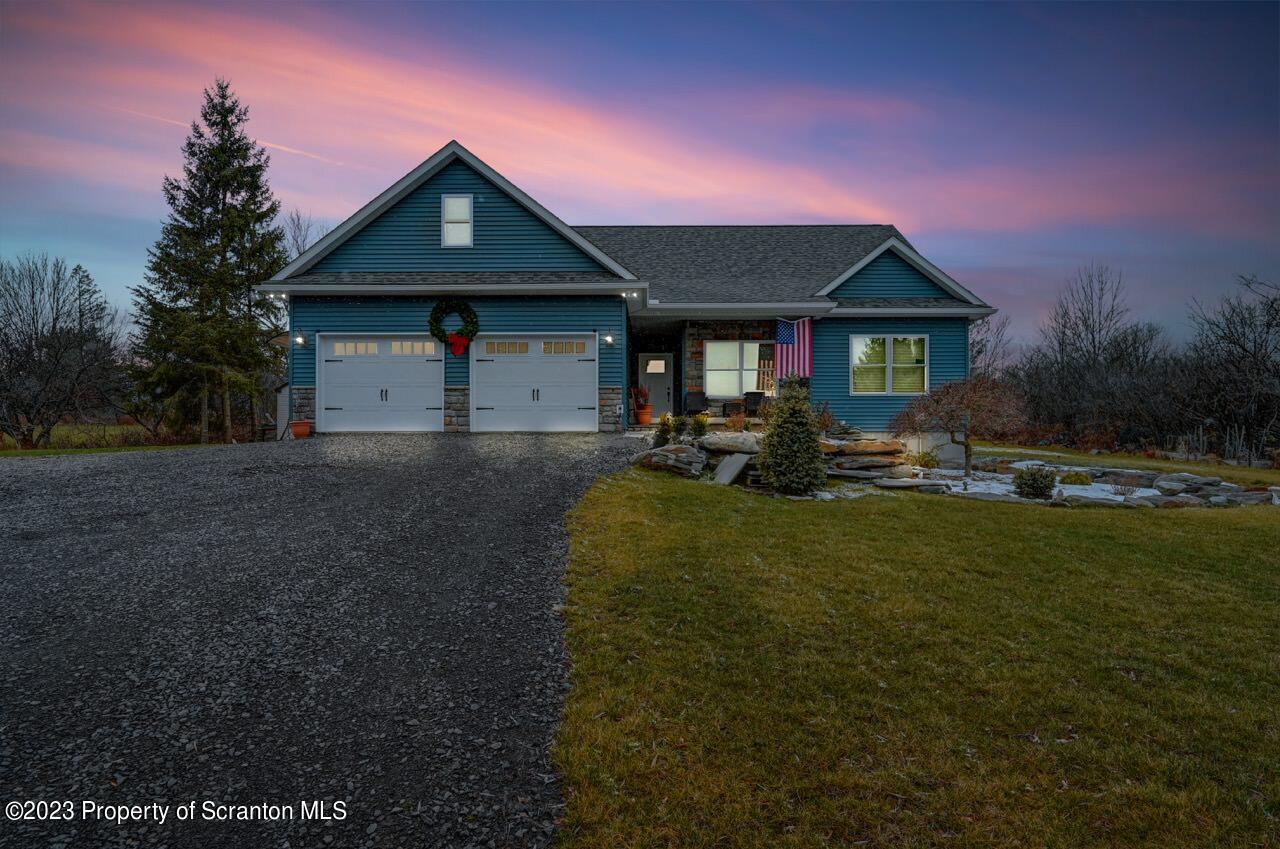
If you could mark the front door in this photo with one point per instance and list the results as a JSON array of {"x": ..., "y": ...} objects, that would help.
[{"x": 655, "y": 375}]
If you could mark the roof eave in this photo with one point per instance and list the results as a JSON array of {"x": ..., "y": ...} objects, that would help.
[
  {"x": 912, "y": 312},
  {"x": 636, "y": 294}
]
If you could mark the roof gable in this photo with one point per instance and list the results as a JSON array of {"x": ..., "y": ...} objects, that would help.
[
  {"x": 889, "y": 276},
  {"x": 905, "y": 252},
  {"x": 399, "y": 231}
]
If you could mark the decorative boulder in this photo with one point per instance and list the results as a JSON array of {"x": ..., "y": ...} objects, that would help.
[
  {"x": 873, "y": 446},
  {"x": 901, "y": 472},
  {"x": 873, "y": 461},
  {"x": 1188, "y": 480},
  {"x": 732, "y": 442},
  {"x": 681, "y": 459},
  {"x": 1167, "y": 487},
  {"x": 934, "y": 487}
]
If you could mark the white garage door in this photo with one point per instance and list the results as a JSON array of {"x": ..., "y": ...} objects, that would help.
[
  {"x": 380, "y": 383},
  {"x": 534, "y": 383}
]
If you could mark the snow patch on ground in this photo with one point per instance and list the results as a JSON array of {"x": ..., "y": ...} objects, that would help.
[{"x": 998, "y": 484}]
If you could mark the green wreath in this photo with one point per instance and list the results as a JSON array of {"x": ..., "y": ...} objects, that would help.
[{"x": 470, "y": 323}]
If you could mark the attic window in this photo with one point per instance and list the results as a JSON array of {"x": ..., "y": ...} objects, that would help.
[{"x": 455, "y": 228}]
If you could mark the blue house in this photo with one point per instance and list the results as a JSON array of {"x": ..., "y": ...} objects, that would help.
[{"x": 571, "y": 320}]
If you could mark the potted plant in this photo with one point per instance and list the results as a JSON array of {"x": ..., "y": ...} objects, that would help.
[
  {"x": 640, "y": 400},
  {"x": 301, "y": 429}
]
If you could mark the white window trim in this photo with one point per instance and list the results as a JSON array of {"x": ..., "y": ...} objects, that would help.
[
  {"x": 888, "y": 366},
  {"x": 471, "y": 206},
  {"x": 706, "y": 369}
]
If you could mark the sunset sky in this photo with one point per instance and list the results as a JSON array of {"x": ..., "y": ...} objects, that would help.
[{"x": 1011, "y": 143}]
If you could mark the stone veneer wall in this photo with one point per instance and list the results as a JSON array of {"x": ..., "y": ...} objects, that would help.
[
  {"x": 457, "y": 409},
  {"x": 304, "y": 403},
  {"x": 611, "y": 409},
  {"x": 698, "y": 332}
]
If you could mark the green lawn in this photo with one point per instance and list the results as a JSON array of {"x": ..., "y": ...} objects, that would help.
[
  {"x": 916, "y": 671},
  {"x": 1243, "y": 475}
]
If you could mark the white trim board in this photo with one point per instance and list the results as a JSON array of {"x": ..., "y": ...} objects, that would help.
[
  {"x": 913, "y": 258},
  {"x": 415, "y": 178}
]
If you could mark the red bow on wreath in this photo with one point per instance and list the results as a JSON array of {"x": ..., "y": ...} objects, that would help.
[{"x": 458, "y": 344}]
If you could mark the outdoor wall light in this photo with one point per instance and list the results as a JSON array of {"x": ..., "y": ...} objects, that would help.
[
  {"x": 608, "y": 339},
  {"x": 299, "y": 340}
]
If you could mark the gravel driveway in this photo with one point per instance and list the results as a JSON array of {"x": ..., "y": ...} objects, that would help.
[{"x": 368, "y": 619}]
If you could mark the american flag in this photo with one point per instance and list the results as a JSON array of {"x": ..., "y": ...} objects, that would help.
[{"x": 793, "y": 348}]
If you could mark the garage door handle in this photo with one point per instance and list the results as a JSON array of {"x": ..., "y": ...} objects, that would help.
[
  {"x": 333, "y": 361},
  {"x": 586, "y": 408},
  {"x": 480, "y": 360},
  {"x": 433, "y": 408},
  {"x": 333, "y": 408},
  {"x": 586, "y": 360},
  {"x": 484, "y": 408}
]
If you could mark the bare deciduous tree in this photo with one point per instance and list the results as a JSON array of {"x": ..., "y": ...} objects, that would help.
[
  {"x": 60, "y": 346},
  {"x": 1232, "y": 368},
  {"x": 964, "y": 410},
  {"x": 989, "y": 349},
  {"x": 1096, "y": 372},
  {"x": 299, "y": 232}
]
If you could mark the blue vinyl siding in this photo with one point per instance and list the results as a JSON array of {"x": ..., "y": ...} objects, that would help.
[
  {"x": 497, "y": 315},
  {"x": 506, "y": 236},
  {"x": 889, "y": 276},
  {"x": 948, "y": 360}
]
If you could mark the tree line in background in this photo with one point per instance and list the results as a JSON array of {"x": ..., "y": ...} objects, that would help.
[
  {"x": 198, "y": 356},
  {"x": 1097, "y": 377}
]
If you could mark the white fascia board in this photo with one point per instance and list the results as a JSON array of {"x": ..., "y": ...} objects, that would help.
[
  {"x": 911, "y": 312},
  {"x": 741, "y": 310},
  {"x": 917, "y": 261},
  {"x": 635, "y": 294},
  {"x": 416, "y": 178}
]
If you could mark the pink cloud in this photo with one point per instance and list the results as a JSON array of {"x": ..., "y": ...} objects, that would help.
[{"x": 347, "y": 120}]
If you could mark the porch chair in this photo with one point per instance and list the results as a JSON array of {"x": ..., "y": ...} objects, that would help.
[
  {"x": 733, "y": 407},
  {"x": 695, "y": 402},
  {"x": 753, "y": 402}
]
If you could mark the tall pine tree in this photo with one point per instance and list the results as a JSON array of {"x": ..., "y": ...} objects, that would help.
[{"x": 201, "y": 329}]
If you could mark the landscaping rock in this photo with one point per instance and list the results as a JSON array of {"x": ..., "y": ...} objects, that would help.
[
  {"x": 827, "y": 446},
  {"x": 873, "y": 446},
  {"x": 1248, "y": 497},
  {"x": 1093, "y": 501},
  {"x": 681, "y": 459},
  {"x": 918, "y": 485},
  {"x": 1133, "y": 477},
  {"x": 1219, "y": 501},
  {"x": 1165, "y": 487},
  {"x": 875, "y": 461},
  {"x": 731, "y": 468},
  {"x": 732, "y": 442},
  {"x": 856, "y": 474},
  {"x": 897, "y": 472},
  {"x": 1187, "y": 479},
  {"x": 1137, "y": 502}
]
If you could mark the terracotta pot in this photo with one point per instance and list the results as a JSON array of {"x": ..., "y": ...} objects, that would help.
[
  {"x": 301, "y": 429},
  {"x": 644, "y": 414}
]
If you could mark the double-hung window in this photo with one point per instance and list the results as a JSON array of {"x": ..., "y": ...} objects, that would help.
[
  {"x": 888, "y": 365},
  {"x": 733, "y": 368},
  {"x": 455, "y": 221}
]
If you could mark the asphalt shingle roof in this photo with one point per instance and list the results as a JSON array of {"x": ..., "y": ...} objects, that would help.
[
  {"x": 736, "y": 264},
  {"x": 720, "y": 264}
]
